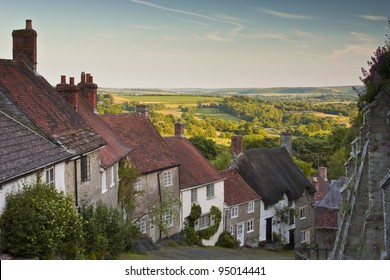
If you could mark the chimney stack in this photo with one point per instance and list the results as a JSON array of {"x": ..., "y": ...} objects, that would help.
[
  {"x": 179, "y": 129},
  {"x": 286, "y": 140},
  {"x": 25, "y": 45},
  {"x": 237, "y": 146},
  {"x": 69, "y": 91},
  {"x": 142, "y": 109},
  {"x": 323, "y": 172},
  {"x": 88, "y": 90}
]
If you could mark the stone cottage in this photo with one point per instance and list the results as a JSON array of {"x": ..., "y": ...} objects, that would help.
[
  {"x": 156, "y": 191},
  {"x": 26, "y": 95},
  {"x": 242, "y": 209},
  {"x": 286, "y": 211}
]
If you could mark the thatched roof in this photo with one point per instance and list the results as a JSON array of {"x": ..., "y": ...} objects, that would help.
[{"x": 271, "y": 172}]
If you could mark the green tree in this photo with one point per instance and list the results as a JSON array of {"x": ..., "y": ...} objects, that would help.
[
  {"x": 207, "y": 147},
  {"x": 39, "y": 222}
]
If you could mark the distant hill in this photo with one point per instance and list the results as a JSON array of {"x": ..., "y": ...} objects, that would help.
[{"x": 346, "y": 92}]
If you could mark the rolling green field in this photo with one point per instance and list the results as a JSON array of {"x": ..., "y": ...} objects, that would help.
[{"x": 170, "y": 101}]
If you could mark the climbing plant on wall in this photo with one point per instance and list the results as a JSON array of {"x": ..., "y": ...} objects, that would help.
[{"x": 194, "y": 236}]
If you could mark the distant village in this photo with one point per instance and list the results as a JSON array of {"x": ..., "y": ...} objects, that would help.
[{"x": 56, "y": 135}]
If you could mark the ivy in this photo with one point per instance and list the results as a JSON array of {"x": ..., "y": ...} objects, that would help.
[
  {"x": 193, "y": 236},
  {"x": 127, "y": 174}
]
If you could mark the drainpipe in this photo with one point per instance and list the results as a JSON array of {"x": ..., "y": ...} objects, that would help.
[
  {"x": 160, "y": 196},
  {"x": 75, "y": 185}
]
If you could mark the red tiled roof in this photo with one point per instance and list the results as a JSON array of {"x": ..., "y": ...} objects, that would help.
[
  {"x": 150, "y": 152},
  {"x": 195, "y": 170},
  {"x": 237, "y": 191},
  {"x": 46, "y": 108},
  {"x": 116, "y": 148}
]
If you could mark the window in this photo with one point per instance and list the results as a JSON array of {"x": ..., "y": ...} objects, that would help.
[
  {"x": 265, "y": 206},
  {"x": 138, "y": 185},
  {"x": 251, "y": 207},
  {"x": 302, "y": 212},
  {"x": 210, "y": 191},
  {"x": 50, "y": 176},
  {"x": 194, "y": 195},
  {"x": 249, "y": 226},
  {"x": 112, "y": 177},
  {"x": 85, "y": 168},
  {"x": 234, "y": 212},
  {"x": 204, "y": 221},
  {"x": 305, "y": 236},
  {"x": 104, "y": 181},
  {"x": 141, "y": 225},
  {"x": 167, "y": 219},
  {"x": 167, "y": 178}
]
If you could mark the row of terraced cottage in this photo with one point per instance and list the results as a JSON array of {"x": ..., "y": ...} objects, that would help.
[{"x": 56, "y": 134}]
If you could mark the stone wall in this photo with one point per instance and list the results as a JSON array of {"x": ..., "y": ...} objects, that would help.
[{"x": 364, "y": 230}]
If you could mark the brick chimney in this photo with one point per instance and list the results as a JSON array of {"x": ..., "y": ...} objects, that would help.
[
  {"x": 286, "y": 140},
  {"x": 25, "y": 45},
  {"x": 142, "y": 109},
  {"x": 323, "y": 172},
  {"x": 179, "y": 129},
  {"x": 70, "y": 92},
  {"x": 236, "y": 145},
  {"x": 88, "y": 90}
]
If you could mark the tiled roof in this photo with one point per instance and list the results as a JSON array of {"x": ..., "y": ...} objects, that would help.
[
  {"x": 23, "y": 151},
  {"x": 271, "y": 172},
  {"x": 41, "y": 103},
  {"x": 116, "y": 148},
  {"x": 150, "y": 152},
  {"x": 237, "y": 191},
  {"x": 195, "y": 170}
]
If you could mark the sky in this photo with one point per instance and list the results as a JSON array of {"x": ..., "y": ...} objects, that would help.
[{"x": 201, "y": 43}]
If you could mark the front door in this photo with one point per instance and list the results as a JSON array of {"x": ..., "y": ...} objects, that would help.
[
  {"x": 268, "y": 230},
  {"x": 240, "y": 233}
]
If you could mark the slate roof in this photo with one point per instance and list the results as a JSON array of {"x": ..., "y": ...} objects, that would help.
[
  {"x": 332, "y": 199},
  {"x": 44, "y": 106},
  {"x": 23, "y": 151},
  {"x": 271, "y": 172},
  {"x": 150, "y": 152},
  {"x": 116, "y": 148},
  {"x": 194, "y": 169},
  {"x": 237, "y": 191}
]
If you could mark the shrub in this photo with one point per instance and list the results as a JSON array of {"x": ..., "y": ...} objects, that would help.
[
  {"x": 227, "y": 240},
  {"x": 106, "y": 232},
  {"x": 39, "y": 222}
]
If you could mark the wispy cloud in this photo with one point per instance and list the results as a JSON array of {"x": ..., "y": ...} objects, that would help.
[
  {"x": 352, "y": 50},
  {"x": 188, "y": 20},
  {"x": 372, "y": 17},
  {"x": 146, "y": 27},
  {"x": 285, "y": 15},
  {"x": 218, "y": 36},
  {"x": 160, "y": 54},
  {"x": 362, "y": 37}
]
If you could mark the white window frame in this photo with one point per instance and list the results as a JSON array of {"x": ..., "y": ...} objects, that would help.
[
  {"x": 210, "y": 192},
  {"x": 141, "y": 225},
  {"x": 167, "y": 219},
  {"x": 251, "y": 207},
  {"x": 112, "y": 176},
  {"x": 104, "y": 181},
  {"x": 234, "y": 212},
  {"x": 231, "y": 229},
  {"x": 167, "y": 178},
  {"x": 305, "y": 236},
  {"x": 138, "y": 185},
  {"x": 194, "y": 195},
  {"x": 302, "y": 212},
  {"x": 250, "y": 226},
  {"x": 204, "y": 221},
  {"x": 50, "y": 175}
]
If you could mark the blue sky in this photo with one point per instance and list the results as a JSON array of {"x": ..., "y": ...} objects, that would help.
[{"x": 202, "y": 43}]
